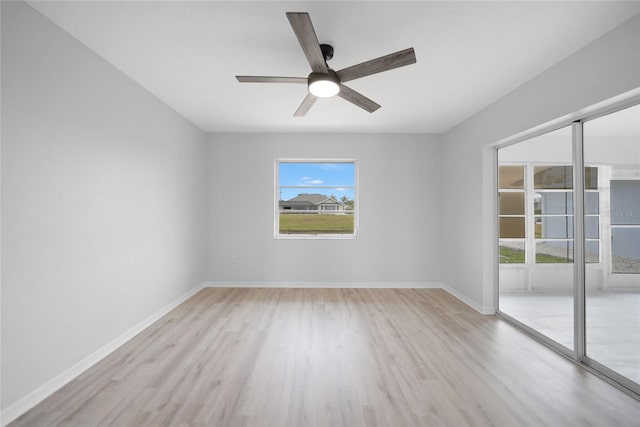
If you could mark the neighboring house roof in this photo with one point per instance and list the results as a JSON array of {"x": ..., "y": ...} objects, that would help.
[{"x": 310, "y": 199}]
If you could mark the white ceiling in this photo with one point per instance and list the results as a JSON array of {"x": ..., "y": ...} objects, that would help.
[{"x": 469, "y": 54}]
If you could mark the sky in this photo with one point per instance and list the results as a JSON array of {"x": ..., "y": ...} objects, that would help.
[{"x": 322, "y": 178}]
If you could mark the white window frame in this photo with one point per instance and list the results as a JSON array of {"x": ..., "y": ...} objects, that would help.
[
  {"x": 524, "y": 191},
  {"x": 530, "y": 240},
  {"x": 276, "y": 200}
]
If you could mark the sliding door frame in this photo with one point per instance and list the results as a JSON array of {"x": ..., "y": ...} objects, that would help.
[
  {"x": 576, "y": 121},
  {"x": 579, "y": 333}
]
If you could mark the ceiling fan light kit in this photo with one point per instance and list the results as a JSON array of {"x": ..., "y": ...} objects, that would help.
[
  {"x": 323, "y": 82},
  {"x": 324, "y": 85}
]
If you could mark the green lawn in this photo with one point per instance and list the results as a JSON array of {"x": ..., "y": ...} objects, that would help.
[
  {"x": 511, "y": 256},
  {"x": 551, "y": 259},
  {"x": 316, "y": 224},
  {"x": 516, "y": 256}
]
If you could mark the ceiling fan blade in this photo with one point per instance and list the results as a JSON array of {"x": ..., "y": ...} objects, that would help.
[
  {"x": 378, "y": 65},
  {"x": 301, "y": 24},
  {"x": 267, "y": 79},
  {"x": 306, "y": 105},
  {"x": 358, "y": 99}
]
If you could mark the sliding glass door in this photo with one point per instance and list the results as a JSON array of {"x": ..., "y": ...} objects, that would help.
[
  {"x": 569, "y": 240},
  {"x": 535, "y": 209},
  {"x": 612, "y": 307}
]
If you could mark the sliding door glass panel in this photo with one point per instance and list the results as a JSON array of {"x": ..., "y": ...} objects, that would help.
[
  {"x": 511, "y": 203},
  {"x": 612, "y": 306},
  {"x": 592, "y": 203},
  {"x": 591, "y": 227},
  {"x": 625, "y": 250},
  {"x": 511, "y": 251},
  {"x": 592, "y": 251},
  {"x": 556, "y": 203},
  {"x": 511, "y": 214},
  {"x": 552, "y": 177},
  {"x": 512, "y": 227},
  {"x": 554, "y": 227},
  {"x": 511, "y": 178},
  {"x": 554, "y": 252},
  {"x": 535, "y": 180}
]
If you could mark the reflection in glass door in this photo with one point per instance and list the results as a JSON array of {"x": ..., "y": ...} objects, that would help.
[
  {"x": 569, "y": 240},
  {"x": 535, "y": 180},
  {"x": 612, "y": 306}
]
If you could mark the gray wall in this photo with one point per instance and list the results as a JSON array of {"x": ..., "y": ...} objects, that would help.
[
  {"x": 605, "y": 68},
  {"x": 400, "y": 189},
  {"x": 102, "y": 202}
]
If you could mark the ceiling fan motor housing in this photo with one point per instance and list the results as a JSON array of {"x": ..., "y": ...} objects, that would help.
[{"x": 327, "y": 52}]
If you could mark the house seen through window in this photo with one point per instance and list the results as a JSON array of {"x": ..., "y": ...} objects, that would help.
[{"x": 316, "y": 198}]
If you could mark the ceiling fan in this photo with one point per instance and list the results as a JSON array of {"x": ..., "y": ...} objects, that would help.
[{"x": 323, "y": 82}]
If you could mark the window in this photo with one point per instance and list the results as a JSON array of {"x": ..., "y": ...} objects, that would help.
[
  {"x": 553, "y": 213},
  {"x": 511, "y": 209},
  {"x": 625, "y": 226},
  {"x": 544, "y": 193},
  {"x": 315, "y": 199}
]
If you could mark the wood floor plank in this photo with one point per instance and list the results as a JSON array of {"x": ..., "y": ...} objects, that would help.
[{"x": 332, "y": 357}]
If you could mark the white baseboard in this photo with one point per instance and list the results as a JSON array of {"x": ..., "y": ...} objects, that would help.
[
  {"x": 334, "y": 285},
  {"x": 477, "y": 307},
  {"x": 38, "y": 395}
]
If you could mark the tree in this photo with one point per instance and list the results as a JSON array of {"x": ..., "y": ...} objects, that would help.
[{"x": 347, "y": 202}]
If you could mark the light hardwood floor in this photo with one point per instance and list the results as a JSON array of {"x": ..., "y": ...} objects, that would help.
[{"x": 348, "y": 357}]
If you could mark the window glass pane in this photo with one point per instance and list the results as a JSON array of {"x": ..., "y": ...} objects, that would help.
[
  {"x": 512, "y": 227},
  {"x": 612, "y": 306},
  {"x": 540, "y": 295},
  {"x": 550, "y": 252},
  {"x": 592, "y": 251},
  {"x": 550, "y": 203},
  {"x": 556, "y": 203},
  {"x": 590, "y": 178},
  {"x": 315, "y": 174},
  {"x": 592, "y": 202},
  {"x": 316, "y": 198},
  {"x": 561, "y": 177},
  {"x": 512, "y": 252},
  {"x": 554, "y": 227},
  {"x": 625, "y": 202},
  {"x": 314, "y": 223},
  {"x": 511, "y": 177},
  {"x": 553, "y": 177},
  {"x": 511, "y": 203},
  {"x": 625, "y": 250},
  {"x": 592, "y": 227}
]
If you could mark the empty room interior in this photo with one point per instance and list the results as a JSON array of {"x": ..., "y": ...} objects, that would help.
[{"x": 321, "y": 213}]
